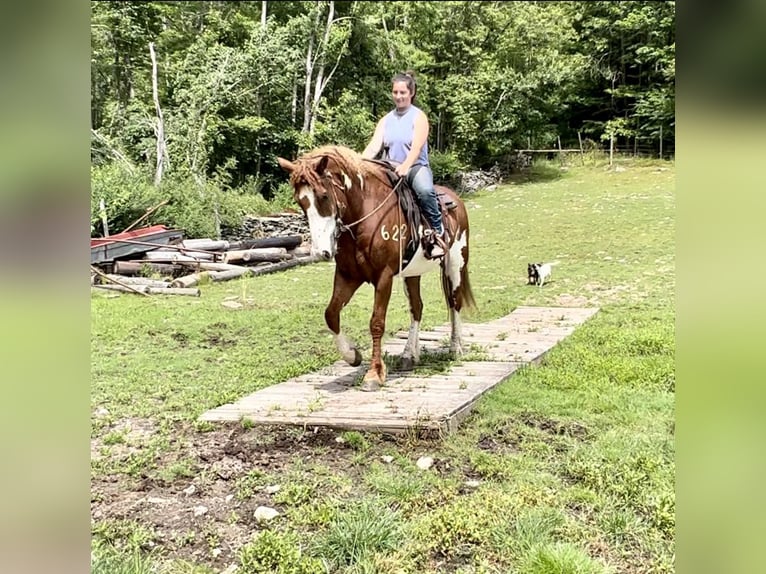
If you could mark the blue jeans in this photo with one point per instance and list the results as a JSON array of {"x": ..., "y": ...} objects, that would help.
[{"x": 422, "y": 182}]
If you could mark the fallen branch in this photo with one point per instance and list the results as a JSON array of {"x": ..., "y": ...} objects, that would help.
[
  {"x": 100, "y": 273},
  {"x": 146, "y": 290},
  {"x": 283, "y": 265},
  {"x": 145, "y": 215}
]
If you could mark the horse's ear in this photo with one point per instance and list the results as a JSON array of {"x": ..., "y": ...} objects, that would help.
[
  {"x": 320, "y": 164},
  {"x": 286, "y": 165}
]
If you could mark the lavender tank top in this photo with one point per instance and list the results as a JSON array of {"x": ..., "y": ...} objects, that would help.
[{"x": 397, "y": 136}]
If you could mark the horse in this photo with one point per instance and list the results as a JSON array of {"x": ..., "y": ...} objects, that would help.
[{"x": 355, "y": 216}]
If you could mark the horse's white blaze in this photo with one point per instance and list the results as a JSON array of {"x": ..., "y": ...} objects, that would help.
[
  {"x": 361, "y": 180},
  {"x": 456, "y": 260},
  {"x": 344, "y": 347},
  {"x": 322, "y": 228},
  {"x": 346, "y": 181}
]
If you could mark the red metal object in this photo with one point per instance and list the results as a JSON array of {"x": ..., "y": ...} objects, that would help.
[{"x": 107, "y": 249}]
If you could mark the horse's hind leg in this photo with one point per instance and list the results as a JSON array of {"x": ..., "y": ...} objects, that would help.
[
  {"x": 456, "y": 340},
  {"x": 457, "y": 290},
  {"x": 343, "y": 290},
  {"x": 411, "y": 354}
]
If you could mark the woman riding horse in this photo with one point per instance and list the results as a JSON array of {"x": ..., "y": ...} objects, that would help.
[
  {"x": 403, "y": 134},
  {"x": 355, "y": 216}
]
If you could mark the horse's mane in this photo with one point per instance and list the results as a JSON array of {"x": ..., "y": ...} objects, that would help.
[{"x": 345, "y": 160}]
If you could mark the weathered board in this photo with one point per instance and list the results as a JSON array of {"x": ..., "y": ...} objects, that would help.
[{"x": 411, "y": 401}]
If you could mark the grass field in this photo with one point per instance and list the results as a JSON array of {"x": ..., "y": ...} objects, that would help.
[{"x": 567, "y": 467}]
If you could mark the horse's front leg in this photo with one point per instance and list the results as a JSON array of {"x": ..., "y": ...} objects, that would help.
[
  {"x": 376, "y": 376},
  {"x": 343, "y": 289},
  {"x": 411, "y": 354}
]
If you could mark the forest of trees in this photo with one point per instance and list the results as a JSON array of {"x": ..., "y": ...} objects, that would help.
[{"x": 191, "y": 102}]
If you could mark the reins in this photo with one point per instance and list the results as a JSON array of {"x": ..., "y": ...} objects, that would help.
[{"x": 344, "y": 227}]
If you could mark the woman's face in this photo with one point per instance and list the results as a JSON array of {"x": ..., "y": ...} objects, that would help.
[{"x": 402, "y": 95}]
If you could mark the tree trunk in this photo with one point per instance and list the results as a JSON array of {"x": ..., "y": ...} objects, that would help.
[
  {"x": 294, "y": 106},
  {"x": 321, "y": 56},
  {"x": 263, "y": 14},
  {"x": 160, "y": 128},
  {"x": 309, "y": 76},
  {"x": 388, "y": 40}
]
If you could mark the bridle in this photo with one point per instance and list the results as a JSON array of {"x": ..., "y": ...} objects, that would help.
[{"x": 341, "y": 227}]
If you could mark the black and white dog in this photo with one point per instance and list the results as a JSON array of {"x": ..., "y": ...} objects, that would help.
[{"x": 537, "y": 273}]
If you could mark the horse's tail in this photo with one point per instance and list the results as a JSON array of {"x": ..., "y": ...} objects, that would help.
[{"x": 465, "y": 283}]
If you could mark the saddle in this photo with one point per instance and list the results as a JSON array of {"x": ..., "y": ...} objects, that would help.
[{"x": 411, "y": 209}]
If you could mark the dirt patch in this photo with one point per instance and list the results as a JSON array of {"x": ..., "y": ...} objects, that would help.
[
  {"x": 504, "y": 440},
  {"x": 180, "y": 338},
  {"x": 205, "y": 512},
  {"x": 569, "y": 428},
  {"x": 510, "y": 438},
  {"x": 567, "y": 300}
]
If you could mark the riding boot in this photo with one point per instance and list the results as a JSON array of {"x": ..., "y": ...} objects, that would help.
[{"x": 436, "y": 241}]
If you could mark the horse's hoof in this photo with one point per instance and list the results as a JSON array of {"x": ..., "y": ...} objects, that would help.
[
  {"x": 355, "y": 360},
  {"x": 370, "y": 385},
  {"x": 406, "y": 364}
]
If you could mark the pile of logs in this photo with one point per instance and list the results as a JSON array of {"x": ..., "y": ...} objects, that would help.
[
  {"x": 280, "y": 225},
  {"x": 471, "y": 181},
  {"x": 183, "y": 266}
]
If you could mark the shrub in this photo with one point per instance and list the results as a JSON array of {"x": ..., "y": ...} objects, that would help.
[
  {"x": 445, "y": 165},
  {"x": 276, "y": 553}
]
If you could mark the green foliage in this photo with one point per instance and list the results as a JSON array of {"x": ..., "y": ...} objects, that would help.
[
  {"x": 356, "y": 440},
  {"x": 445, "y": 165},
  {"x": 456, "y": 529},
  {"x": 295, "y": 494},
  {"x": 607, "y": 492},
  {"x": 126, "y": 194},
  {"x": 493, "y": 77},
  {"x": 105, "y": 559},
  {"x": 273, "y": 552},
  {"x": 358, "y": 533},
  {"x": 561, "y": 558}
]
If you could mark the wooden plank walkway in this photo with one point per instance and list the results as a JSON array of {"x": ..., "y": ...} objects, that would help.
[{"x": 410, "y": 401}]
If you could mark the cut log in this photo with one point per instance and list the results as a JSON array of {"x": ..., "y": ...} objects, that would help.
[
  {"x": 173, "y": 291},
  {"x": 301, "y": 251},
  {"x": 230, "y": 274},
  {"x": 287, "y": 241},
  {"x": 283, "y": 265},
  {"x": 136, "y": 280},
  {"x": 214, "y": 276},
  {"x": 139, "y": 267},
  {"x": 209, "y": 266},
  {"x": 260, "y": 254},
  {"x": 146, "y": 290},
  {"x": 189, "y": 280},
  {"x": 162, "y": 255},
  {"x": 206, "y": 244},
  {"x": 257, "y": 256}
]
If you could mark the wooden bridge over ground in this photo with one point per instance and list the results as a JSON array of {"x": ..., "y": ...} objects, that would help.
[{"x": 410, "y": 401}]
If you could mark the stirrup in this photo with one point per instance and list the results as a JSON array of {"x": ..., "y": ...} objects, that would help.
[{"x": 439, "y": 252}]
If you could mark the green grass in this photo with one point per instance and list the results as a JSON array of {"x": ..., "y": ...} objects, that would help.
[{"x": 572, "y": 461}]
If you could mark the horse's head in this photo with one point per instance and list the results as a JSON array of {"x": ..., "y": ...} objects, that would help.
[{"x": 316, "y": 191}]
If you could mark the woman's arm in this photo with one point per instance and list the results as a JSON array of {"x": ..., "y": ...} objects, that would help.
[
  {"x": 373, "y": 148},
  {"x": 419, "y": 138}
]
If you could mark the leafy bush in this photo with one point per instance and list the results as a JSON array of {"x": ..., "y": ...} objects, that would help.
[
  {"x": 355, "y": 536},
  {"x": 276, "y": 553},
  {"x": 199, "y": 210},
  {"x": 561, "y": 558},
  {"x": 445, "y": 165},
  {"x": 126, "y": 195}
]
